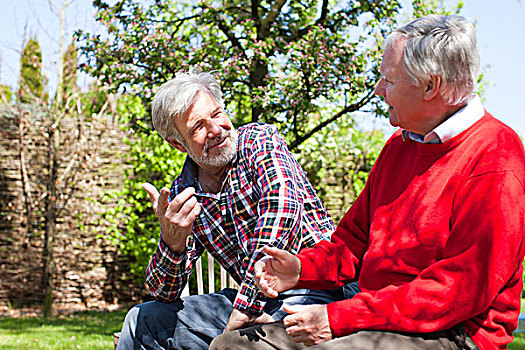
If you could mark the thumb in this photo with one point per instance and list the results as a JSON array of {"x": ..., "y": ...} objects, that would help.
[
  {"x": 293, "y": 309},
  {"x": 266, "y": 318},
  {"x": 276, "y": 253},
  {"x": 152, "y": 191}
]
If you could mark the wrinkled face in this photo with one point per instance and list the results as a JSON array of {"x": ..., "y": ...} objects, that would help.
[
  {"x": 208, "y": 134},
  {"x": 403, "y": 96}
]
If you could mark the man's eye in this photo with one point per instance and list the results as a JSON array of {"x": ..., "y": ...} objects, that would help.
[{"x": 197, "y": 128}]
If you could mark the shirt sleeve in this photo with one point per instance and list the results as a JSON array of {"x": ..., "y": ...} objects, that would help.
[
  {"x": 481, "y": 256},
  {"x": 279, "y": 210},
  {"x": 167, "y": 272}
]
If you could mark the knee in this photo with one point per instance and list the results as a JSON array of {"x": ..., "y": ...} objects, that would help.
[
  {"x": 224, "y": 341},
  {"x": 149, "y": 312},
  {"x": 131, "y": 318}
]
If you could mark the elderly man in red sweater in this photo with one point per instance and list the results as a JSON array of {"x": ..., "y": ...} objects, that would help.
[{"x": 436, "y": 237}]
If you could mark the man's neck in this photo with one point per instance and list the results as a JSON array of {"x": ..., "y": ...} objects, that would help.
[
  {"x": 211, "y": 179},
  {"x": 437, "y": 114}
]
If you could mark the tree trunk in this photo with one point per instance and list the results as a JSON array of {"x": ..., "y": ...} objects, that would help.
[
  {"x": 49, "y": 235},
  {"x": 26, "y": 187},
  {"x": 60, "y": 87}
]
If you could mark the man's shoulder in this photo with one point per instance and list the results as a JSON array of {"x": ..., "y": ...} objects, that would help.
[
  {"x": 498, "y": 143},
  {"x": 496, "y": 135},
  {"x": 254, "y": 135},
  {"x": 491, "y": 123},
  {"x": 255, "y": 129}
]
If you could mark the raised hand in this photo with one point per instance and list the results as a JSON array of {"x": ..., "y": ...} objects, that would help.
[
  {"x": 277, "y": 272},
  {"x": 176, "y": 217},
  {"x": 308, "y": 324}
]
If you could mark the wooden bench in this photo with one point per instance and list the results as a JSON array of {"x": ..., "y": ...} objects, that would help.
[{"x": 225, "y": 281}]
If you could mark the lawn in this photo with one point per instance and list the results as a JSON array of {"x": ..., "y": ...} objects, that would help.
[
  {"x": 84, "y": 330},
  {"x": 519, "y": 342}
]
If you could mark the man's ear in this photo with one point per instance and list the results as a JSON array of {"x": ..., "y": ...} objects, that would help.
[
  {"x": 177, "y": 145},
  {"x": 432, "y": 88}
]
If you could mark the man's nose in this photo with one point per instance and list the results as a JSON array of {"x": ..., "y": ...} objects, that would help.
[
  {"x": 380, "y": 90},
  {"x": 214, "y": 129}
]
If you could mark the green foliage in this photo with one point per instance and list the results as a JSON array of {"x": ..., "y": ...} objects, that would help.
[
  {"x": 70, "y": 68},
  {"x": 69, "y": 83},
  {"x": 85, "y": 330},
  {"x": 338, "y": 160},
  {"x": 519, "y": 342},
  {"x": 280, "y": 63},
  {"x": 32, "y": 80},
  {"x": 304, "y": 66},
  {"x": 6, "y": 94},
  {"x": 428, "y": 7},
  {"x": 94, "y": 99},
  {"x": 132, "y": 222}
]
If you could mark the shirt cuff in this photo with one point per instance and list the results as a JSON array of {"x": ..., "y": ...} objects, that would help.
[
  {"x": 249, "y": 299},
  {"x": 167, "y": 257}
]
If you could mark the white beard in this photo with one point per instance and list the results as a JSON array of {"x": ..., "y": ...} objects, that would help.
[{"x": 227, "y": 153}]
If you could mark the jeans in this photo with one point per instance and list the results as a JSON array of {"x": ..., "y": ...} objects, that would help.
[{"x": 194, "y": 321}]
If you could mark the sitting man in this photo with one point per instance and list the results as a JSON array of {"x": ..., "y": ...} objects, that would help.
[
  {"x": 436, "y": 236},
  {"x": 238, "y": 192}
]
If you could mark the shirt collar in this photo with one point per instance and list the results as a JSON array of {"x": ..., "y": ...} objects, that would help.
[
  {"x": 189, "y": 174},
  {"x": 453, "y": 126}
]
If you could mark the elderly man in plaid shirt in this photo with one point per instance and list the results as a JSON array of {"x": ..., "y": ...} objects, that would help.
[{"x": 239, "y": 190}]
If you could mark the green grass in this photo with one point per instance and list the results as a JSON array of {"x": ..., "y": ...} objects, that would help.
[
  {"x": 519, "y": 338},
  {"x": 85, "y": 330}
]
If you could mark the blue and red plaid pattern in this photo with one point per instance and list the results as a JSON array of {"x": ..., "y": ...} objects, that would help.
[{"x": 265, "y": 199}]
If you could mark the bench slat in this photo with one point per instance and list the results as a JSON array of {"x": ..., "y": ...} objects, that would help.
[{"x": 211, "y": 274}]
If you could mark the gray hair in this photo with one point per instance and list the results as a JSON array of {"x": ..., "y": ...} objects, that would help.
[
  {"x": 176, "y": 96},
  {"x": 445, "y": 46}
]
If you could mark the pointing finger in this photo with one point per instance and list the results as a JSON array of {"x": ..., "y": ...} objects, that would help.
[
  {"x": 293, "y": 309},
  {"x": 275, "y": 252}
]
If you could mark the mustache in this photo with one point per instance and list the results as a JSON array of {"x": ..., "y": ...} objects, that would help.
[{"x": 217, "y": 140}]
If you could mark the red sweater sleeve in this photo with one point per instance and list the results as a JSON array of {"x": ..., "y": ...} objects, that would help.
[
  {"x": 349, "y": 243},
  {"x": 480, "y": 257}
]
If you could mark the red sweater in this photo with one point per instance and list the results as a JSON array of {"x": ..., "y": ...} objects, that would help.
[{"x": 435, "y": 239}]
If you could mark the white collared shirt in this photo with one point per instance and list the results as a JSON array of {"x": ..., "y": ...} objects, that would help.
[{"x": 453, "y": 126}]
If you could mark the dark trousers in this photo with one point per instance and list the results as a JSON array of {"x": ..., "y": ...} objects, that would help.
[{"x": 192, "y": 322}]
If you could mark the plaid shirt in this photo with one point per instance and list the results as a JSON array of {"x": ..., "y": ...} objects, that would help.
[{"x": 265, "y": 199}]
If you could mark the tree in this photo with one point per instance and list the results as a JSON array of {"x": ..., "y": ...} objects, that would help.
[
  {"x": 338, "y": 160},
  {"x": 302, "y": 65},
  {"x": 298, "y": 64},
  {"x": 32, "y": 81},
  {"x": 55, "y": 142},
  {"x": 61, "y": 171},
  {"x": 69, "y": 77}
]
